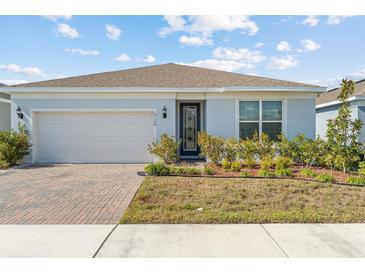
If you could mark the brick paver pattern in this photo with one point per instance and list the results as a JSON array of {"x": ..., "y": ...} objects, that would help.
[{"x": 68, "y": 194}]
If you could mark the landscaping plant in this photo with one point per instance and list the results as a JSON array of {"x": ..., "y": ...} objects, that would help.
[
  {"x": 157, "y": 169},
  {"x": 265, "y": 146},
  {"x": 361, "y": 169},
  {"x": 343, "y": 132},
  {"x": 14, "y": 146},
  {"x": 166, "y": 149},
  {"x": 247, "y": 152},
  {"x": 265, "y": 166},
  {"x": 236, "y": 166},
  {"x": 231, "y": 148},
  {"x": 356, "y": 180},
  {"x": 211, "y": 147},
  {"x": 282, "y": 167},
  {"x": 308, "y": 172},
  {"x": 209, "y": 170},
  {"x": 325, "y": 178}
]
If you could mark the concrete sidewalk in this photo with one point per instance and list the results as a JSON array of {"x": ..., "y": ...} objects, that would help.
[{"x": 251, "y": 240}]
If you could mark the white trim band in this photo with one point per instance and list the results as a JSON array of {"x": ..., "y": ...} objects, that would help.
[{"x": 337, "y": 102}]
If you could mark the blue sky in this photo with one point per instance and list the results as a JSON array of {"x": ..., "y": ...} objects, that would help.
[{"x": 317, "y": 49}]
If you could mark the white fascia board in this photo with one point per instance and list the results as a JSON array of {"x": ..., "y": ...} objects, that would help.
[
  {"x": 162, "y": 90},
  {"x": 5, "y": 101},
  {"x": 337, "y": 102}
]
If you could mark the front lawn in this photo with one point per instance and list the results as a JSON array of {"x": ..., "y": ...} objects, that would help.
[{"x": 172, "y": 200}]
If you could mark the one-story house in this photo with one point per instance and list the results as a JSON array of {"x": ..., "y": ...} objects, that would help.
[
  {"x": 110, "y": 117},
  {"x": 5, "y": 123},
  {"x": 327, "y": 106}
]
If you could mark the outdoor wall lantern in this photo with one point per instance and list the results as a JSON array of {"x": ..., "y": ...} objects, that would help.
[
  {"x": 19, "y": 113},
  {"x": 164, "y": 112}
]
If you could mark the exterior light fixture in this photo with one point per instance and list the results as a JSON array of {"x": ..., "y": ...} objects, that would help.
[
  {"x": 164, "y": 112},
  {"x": 19, "y": 113}
]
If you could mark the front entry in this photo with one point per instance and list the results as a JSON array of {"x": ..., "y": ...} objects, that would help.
[{"x": 189, "y": 128}]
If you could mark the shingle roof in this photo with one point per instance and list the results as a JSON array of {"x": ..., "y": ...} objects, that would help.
[
  {"x": 165, "y": 76},
  {"x": 331, "y": 95}
]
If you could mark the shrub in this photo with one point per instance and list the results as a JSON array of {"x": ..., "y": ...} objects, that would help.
[
  {"x": 265, "y": 165},
  {"x": 308, "y": 172},
  {"x": 265, "y": 146},
  {"x": 283, "y": 162},
  {"x": 244, "y": 174},
  {"x": 226, "y": 165},
  {"x": 157, "y": 169},
  {"x": 209, "y": 171},
  {"x": 236, "y": 166},
  {"x": 284, "y": 172},
  {"x": 325, "y": 178},
  {"x": 285, "y": 147},
  {"x": 14, "y": 146},
  {"x": 231, "y": 148},
  {"x": 247, "y": 152},
  {"x": 166, "y": 149},
  {"x": 186, "y": 171},
  {"x": 211, "y": 147},
  {"x": 266, "y": 173},
  {"x": 361, "y": 169},
  {"x": 356, "y": 180}
]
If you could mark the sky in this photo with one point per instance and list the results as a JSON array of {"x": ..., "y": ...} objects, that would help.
[{"x": 311, "y": 49}]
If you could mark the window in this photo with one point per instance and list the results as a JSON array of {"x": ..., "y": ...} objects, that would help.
[{"x": 260, "y": 117}]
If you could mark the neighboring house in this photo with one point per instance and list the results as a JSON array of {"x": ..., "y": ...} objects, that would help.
[
  {"x": 111, "y": 117},
  {"x": 5, "y": 107},
  {"x": 327, "y": 106}
]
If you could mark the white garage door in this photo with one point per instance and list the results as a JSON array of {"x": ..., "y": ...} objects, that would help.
[{"x": 93, "y": 137}]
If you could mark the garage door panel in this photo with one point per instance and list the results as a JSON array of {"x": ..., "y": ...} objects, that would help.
[{"x": 94, "y": 137}]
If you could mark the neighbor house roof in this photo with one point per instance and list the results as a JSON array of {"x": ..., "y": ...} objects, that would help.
[
  {"x": 331, "y": 96},
  {"x": 165, "y": 76}
]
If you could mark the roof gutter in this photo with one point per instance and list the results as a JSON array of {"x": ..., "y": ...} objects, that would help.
[
  {"x": 337, "y": 102},
  {"x": 167, "y": 90}
]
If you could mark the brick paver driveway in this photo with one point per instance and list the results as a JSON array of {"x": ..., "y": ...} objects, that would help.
[{"x": 67, "y": 194}]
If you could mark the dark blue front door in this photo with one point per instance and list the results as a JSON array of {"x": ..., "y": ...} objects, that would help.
[{"x": 189, "y": 128}]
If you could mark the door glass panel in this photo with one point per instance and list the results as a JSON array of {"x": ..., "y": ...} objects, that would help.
[{"x": 190, "y": 131}]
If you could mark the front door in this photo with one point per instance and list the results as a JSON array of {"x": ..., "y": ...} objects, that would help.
[{"x": 189, "y": 128}]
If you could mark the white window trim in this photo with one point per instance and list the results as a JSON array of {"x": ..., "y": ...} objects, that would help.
[{"x": 283, "y": 120}]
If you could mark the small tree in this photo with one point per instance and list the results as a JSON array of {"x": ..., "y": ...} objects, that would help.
[
  {"x": 14, "y": 146},
  {"x": 343, "y": 132},
  {"x": 166, "y": 149},
  {"x": 211, "y": 147}
]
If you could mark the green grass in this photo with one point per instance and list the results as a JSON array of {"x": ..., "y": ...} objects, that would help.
[{"x": 176, "y": 200}]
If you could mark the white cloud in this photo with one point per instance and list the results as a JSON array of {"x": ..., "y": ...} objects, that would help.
[
  {"x": 207, "y": 24},
  {"x": 311, "y": 21},
  {"x": 195, "y": 41},
  {"x": 82, "y": 51},
  {"x": 149, "y": 59},
  {"x": 336, "y": 19},
  {"x": 112, "y": 32},
  {"x": 259, "y": 45},
  {"x": 56, "y": 18},
  {"x": 226, "y": 65},
  {"x": 282, "y": 63},
  {"x": 336, "y": 82},
  {"x": 310, "y": 45},
  {"x": 67, "y": 31},
  {"x": 283, "y": 46},
  {"x": 31, "y": 71},
  {"x": 122, "y": 58},
  {"x": 242, "y": 54},
  {"x": 13, "y": 82}
]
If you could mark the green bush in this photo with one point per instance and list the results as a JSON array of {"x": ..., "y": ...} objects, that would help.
[
  {"x": 14, "y": 146},
  {"x": 185, "y": 171},
  {"x": 325, "y": 178},
  {"x": 226, "y": 165},
  {"x": 236, "y": 166},
  {"x": 209, "y": 171},
  {"x": 247, "y": 152},
  {"x": 266, "y": 173},
  {"x": 211, "y": 147},
  {"x": 245, "y": 174},
  {"x": 166, "y": 149},
  {"x": 308, "y": 172},
  {"x": 284, "y": 172},
  {"x": 231, "y": 148},
  {"x": 356, "y": 180},
  {"x": 265, "y": 146},
  {"x": 283, "y": 162},
  {"x": 157, "y": 169},
  {"x": 361, "y": 169}
]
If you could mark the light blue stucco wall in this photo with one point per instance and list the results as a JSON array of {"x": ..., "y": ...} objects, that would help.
[
  {"x": 326, "y": 113},
  {"x": 221, "y": 117},
  {"x": 301, "y": 117},
  {"x": 4, "y": 116},
  {"x": 163, "y": 125}
]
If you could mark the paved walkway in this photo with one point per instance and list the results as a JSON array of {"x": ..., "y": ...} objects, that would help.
[
  {"x": 67, "y": 194},
  {"x": 272, "y": 240}
]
